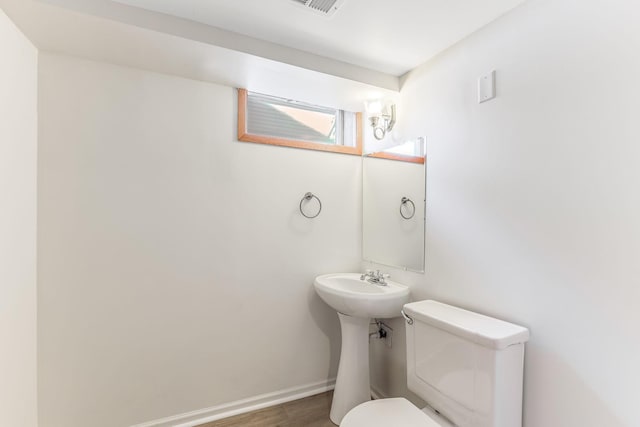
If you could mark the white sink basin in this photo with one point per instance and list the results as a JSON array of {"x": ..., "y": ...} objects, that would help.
[{"x": 349, "y": 295}]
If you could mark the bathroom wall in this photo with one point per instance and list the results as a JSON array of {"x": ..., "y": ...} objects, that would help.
[
  {"x": 175, "y": 271},
  {"x": 533, "y": 208},
  {"x": 18, "y": 160}
]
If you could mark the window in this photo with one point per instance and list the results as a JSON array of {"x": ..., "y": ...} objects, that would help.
[
  {"x": 270, "y": 120},
  {"x": 412, "y": 151}
]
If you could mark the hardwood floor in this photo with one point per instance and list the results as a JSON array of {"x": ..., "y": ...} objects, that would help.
[{"x": 311, "y": 411}]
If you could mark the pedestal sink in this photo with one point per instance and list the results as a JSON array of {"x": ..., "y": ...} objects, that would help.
[{"x": 356, "y": 301}]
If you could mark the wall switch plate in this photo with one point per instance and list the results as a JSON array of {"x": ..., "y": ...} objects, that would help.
[{"x": 487, "y": 87}]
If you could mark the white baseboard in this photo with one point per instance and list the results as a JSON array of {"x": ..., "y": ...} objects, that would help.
[{"x": 201, "y": 416}]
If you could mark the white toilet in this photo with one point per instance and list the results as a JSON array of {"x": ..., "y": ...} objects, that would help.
[{"x": 466, "y": 366}]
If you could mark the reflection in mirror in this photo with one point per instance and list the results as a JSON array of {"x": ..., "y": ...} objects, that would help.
[{"x": 393, "y": 184}]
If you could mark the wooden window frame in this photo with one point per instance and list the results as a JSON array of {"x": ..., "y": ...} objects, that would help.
[
  {"x": 244, "y": 136},
  {"x": 398, "y": 157}
]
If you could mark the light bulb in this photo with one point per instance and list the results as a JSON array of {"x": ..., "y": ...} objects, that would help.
[{"x": 374, "y": 108}]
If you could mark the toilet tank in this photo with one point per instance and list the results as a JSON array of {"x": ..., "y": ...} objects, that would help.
[{"x": 467, "y": 366}]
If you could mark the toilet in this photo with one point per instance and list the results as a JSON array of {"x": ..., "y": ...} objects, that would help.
[{"x": 466, "y": 366}]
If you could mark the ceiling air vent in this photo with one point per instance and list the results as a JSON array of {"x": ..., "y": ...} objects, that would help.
[{"x": 322, "y": 7}]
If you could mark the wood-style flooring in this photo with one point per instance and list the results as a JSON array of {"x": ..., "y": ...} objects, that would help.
[{"x": 308, "y": 412}]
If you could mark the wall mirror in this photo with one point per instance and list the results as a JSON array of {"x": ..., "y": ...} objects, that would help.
[{"x": 393, "y": 223}]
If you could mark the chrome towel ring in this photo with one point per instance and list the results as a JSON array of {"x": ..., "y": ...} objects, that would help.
[
  {"x": 405, "y": 201},
  {"x": 308, "y": 197}
]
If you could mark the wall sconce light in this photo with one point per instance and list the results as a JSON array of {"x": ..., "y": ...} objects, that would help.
[{"x": 381, "y": 116}]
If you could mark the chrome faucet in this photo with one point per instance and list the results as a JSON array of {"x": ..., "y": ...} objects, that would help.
[{"x": 376, "y": 277}]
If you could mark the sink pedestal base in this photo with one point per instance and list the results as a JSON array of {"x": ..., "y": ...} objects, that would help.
[{"x": 352, "y": 384}]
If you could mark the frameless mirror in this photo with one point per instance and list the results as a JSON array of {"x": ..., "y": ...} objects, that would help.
[{"x": 393, "y": 224}]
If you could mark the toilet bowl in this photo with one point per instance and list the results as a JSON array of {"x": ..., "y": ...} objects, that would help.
[
  {"x": 391, "y": 413},
  {"x": 466, "y": 366}
]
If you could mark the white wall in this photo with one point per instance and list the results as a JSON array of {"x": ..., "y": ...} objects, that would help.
[
  {"x": 175, "y": 271},
  {"x": 533, "y": 208},
  {"x": 18, "y": 159}
]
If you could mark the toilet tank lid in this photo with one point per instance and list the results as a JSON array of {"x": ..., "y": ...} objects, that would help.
[{"x": 484, "y": 330}]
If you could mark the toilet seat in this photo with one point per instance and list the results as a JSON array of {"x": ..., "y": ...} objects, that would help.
[{"x": 387, "y": 413}]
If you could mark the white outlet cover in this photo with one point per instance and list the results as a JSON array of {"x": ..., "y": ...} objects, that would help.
[{"x": 487, "y": 87}]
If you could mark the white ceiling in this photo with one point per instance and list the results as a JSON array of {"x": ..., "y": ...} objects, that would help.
[
  {"x": 105, "y": 31},
  {"x": 357, "y": 54},
  {"x": 387, "y": 36}
]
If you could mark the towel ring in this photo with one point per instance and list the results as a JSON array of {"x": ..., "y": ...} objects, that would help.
[
  {"x": 308, "y": 197},
  {"x": 403, "y": 202}
]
